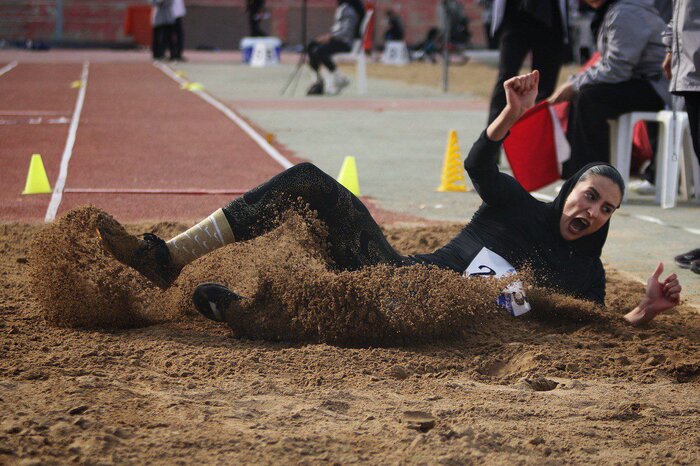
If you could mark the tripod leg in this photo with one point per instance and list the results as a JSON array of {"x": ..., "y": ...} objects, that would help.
[{"x": 295, "y": 73}]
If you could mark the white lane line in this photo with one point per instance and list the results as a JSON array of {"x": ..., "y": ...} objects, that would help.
[
  {"x": 7, "y": 67},
  {"x": 266, "y": 146},
  {"x": 644, "y": 218},
  {"x": 68, "y": 150},
  {"x": 31, "y": 113}
]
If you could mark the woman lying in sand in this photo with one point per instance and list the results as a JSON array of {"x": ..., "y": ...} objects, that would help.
[{"x": 559, "y": 242}]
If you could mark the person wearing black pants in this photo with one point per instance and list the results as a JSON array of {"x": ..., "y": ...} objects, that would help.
[
  {"x": 626, "y": 78},
  {"x": 591, "y": 109},
  {"x": 348, "y": 17},
  {"x": 528, "y": 26},
  {"x": 162, "y": 27},
  {"x": 681, "y": 67}
]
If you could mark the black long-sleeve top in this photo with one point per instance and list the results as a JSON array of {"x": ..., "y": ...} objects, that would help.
[{"x": 522, "y": 230}]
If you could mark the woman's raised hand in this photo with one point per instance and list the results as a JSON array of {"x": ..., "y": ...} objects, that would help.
[{"x": 521, "y": 92}]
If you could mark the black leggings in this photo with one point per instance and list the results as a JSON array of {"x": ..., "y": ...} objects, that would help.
[
  {"x": 354, "y": 238},
  {"x": 322, "y": 54}
]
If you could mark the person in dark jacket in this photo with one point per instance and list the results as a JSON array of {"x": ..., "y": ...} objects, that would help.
[
  {"x": 682, "y": 67},
  {"x": 627, "y": 78},
  {"x": 561, "y": 241}
]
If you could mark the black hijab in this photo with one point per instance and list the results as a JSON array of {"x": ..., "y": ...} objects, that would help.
[{"x": 590, "y": 245}]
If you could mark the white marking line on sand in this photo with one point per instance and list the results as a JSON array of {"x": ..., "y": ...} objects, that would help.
[
  {"x": 266, "y": 146},
  {"x": 68, "y": 150},
  {"x": 8, "y": 67},
  {"x": 644, "y": 218}
]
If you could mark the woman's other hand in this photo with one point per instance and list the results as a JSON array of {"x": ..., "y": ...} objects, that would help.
[
  {"x": 521, "y": 92},
  {"x": 659, "y": 297},
  {"x": 666, "y": 66},
  {"x": 563, "y": 93}
]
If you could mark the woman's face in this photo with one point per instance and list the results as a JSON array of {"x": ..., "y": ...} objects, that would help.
[{"x": 590, "y": 204}]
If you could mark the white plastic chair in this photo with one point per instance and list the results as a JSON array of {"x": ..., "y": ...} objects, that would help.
[
  {"x": 674, "y": 142},
  {"x": 357, "y": 54}
]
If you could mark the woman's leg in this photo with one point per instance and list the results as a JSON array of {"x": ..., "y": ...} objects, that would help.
[{"x": 354, "y": 238}]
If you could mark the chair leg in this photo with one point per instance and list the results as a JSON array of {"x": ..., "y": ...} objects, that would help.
[
  {"x": 621, "y": 138},
  {"x": 362, "y": 73},
  {"x": 667, "y": 160}
]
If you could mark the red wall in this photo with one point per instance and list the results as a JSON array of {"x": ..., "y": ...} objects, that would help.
[{"x": 103, "y": 20}]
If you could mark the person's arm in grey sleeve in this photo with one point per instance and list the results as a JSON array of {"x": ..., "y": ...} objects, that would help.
[
  {"x": 626, "y": 40},
  {"x": 344, "y": 27}
]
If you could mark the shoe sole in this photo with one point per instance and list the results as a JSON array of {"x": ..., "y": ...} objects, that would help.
[{"x": 207, "y": 298}]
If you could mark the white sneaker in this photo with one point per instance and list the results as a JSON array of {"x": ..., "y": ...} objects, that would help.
[
  {"x": 643, "y": 187},
  {"x": 341, "y": 82}
]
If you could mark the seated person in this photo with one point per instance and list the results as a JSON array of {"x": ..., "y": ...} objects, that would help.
[
  {"x": 626, "y": 78},
  {"x": 348, "y": 18},
  {"x": 561, "y": 241}
]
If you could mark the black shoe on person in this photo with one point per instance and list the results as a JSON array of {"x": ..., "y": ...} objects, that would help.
[
  {"x": 315, "y": 89},
  {"x": 215, "y": 301},
  {"x": 685, "y": 260},
  {"x": 148, "y": 256},
  {"x": 695, "y": 266}
]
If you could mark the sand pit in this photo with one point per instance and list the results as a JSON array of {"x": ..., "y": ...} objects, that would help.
[{"x": 102, "y": 367}]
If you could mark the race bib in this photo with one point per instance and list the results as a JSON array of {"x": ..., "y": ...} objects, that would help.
[{"x": 489, "y": 264}]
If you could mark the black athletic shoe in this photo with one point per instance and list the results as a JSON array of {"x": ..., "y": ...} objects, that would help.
[
  {"x": 695, "y": 266},
  {"x": 148, "y": 256},
  {"x": 685, "y": 260},
  {"x": 315, "y": 89},
  {"x": 215, "y": 301}
]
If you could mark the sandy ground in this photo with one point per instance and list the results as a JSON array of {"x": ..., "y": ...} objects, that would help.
[{"x": 111, "y": 370}]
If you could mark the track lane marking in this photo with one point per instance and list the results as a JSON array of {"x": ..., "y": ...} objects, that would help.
[
  {"x": 233, "y": 116},
  {"x": 68, "y": 150},
  {"x": 9, "y": 67}
]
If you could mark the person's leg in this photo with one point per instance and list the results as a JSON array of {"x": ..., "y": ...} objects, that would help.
[
  {"x": 589, "y": 132},
  {"x": 547, "y": 56},
  {"x": 333, "y": 82},
  {"x": 177, "y": 40},
  {"x": 158, "y": 46},
  {"x": 515, "y": 44},
  {"x": 355, "y": 240},
  {"x": 692, "y": 107},
  {"x": 330, "y": 48}
]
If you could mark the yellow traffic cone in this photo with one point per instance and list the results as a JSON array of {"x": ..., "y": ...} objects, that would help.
[
  {"x": 191, "y": 86},
  {"x": 37, "y": 181},
  {"x": 76, "y": 84},
  {"x": 348, "y": 175},
  {"x": 452, "y": 178}
]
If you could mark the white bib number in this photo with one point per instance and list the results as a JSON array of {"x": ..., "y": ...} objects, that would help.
[{"x": 489, "y": 264}]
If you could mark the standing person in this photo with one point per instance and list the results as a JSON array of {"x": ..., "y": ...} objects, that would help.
[
  {"x": 256, "y": 13},
  {"x": 524, "y": 26},
  {"x": 681, "y": 66},
  {"x": 486, "y": 20},
  {"x": 162, "y": 20},
  {"x": 560, "y": 241},
  {"x": 345, "y": 29},
  {"x": 177, "y": 40},
  {"x": 627, "y": 78}
]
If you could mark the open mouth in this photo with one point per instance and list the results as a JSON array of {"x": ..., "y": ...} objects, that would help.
[{"x": 578, "y": 224}]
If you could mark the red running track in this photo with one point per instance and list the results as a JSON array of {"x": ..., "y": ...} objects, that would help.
[{"x": 138, "y": 131}]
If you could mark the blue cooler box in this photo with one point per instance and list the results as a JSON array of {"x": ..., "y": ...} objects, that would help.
[{"x": 247, "y": 44}]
